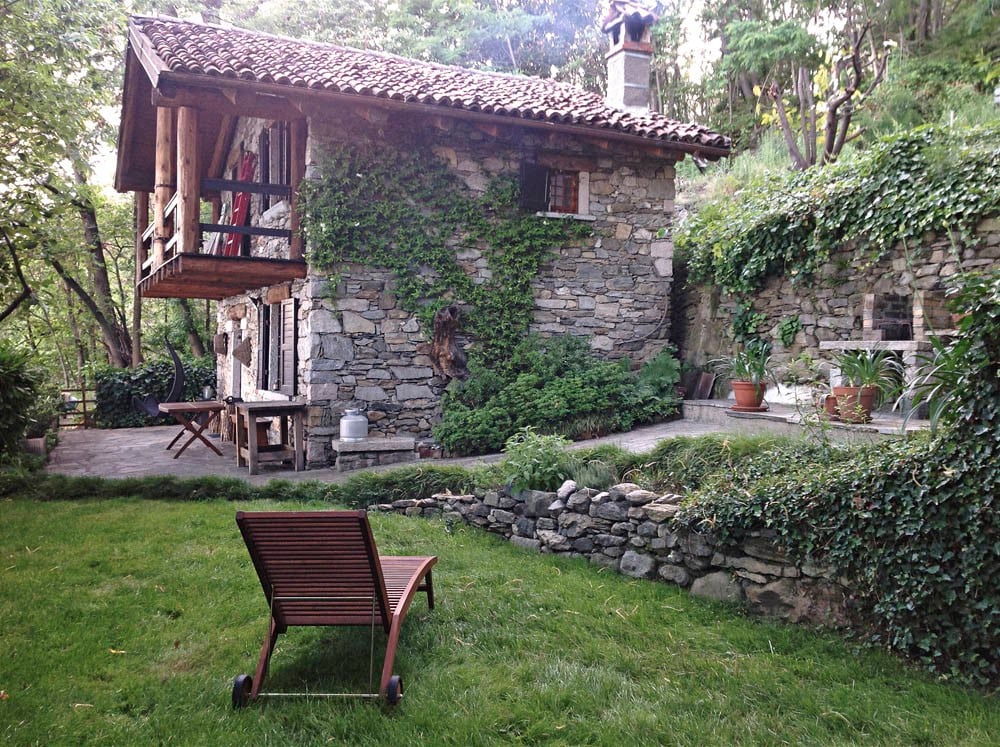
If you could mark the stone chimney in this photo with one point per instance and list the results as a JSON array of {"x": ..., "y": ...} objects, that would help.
[{"x": 628, "y": 26}]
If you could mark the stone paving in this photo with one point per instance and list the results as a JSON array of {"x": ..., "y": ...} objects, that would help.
[{"x": 141, "y": 452}]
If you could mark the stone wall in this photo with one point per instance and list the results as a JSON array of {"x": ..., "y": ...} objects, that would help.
[
  {"x": 357, "y": 348},
  {"x": 632, "y": 531},
  {"x": 832, "y": 306}
]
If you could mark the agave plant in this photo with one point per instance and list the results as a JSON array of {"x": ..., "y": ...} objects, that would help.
[
  {"x": 752, "y": 363},
  {"x": 870, "y": 368}
]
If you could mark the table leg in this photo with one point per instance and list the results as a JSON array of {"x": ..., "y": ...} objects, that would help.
[
  {"x": 300, "y": 447},
  {"x": 238, "y": 437},
  {"x": 180, "y": 433},
  {"x": 197, "y": 430},
  {"x": 252, "y": 442}
]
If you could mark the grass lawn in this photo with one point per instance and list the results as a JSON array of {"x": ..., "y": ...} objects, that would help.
[{"x": 124, "y": 621}]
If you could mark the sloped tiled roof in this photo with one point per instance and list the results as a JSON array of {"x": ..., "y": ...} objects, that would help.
[{"x": 185, "y": 48}]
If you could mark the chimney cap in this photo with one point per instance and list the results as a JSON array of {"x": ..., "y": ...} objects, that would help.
[{"x": 635, "y": 15}]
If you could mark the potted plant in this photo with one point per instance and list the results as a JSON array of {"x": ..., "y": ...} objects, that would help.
[
  {"x": 749, "y": 372},
  {"x": 864, "y": 375}
]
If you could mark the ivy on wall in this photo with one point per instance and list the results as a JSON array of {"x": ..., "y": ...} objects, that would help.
[
  {"x": 403, "y": 210},
  {"x": 928, "y": 179},
  {"x": 911, "y": 523}
]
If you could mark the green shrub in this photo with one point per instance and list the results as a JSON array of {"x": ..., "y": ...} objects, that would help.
[
  {"x": 116, "y": 387},
  {"x": 928, "y": 179},
  {"x": 555, "y": 386},
  {"x": 535, "y": 461},
  {"x": 20, "y": 386},
  {"x": 913, "y": 524}
]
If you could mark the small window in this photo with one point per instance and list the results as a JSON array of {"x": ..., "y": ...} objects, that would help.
[
  {"x": 546, "y": 190},
  {"x": 275, "y": 159},
  {"x": 564, "y": 191},
  {"x": 278, "y": 332}
]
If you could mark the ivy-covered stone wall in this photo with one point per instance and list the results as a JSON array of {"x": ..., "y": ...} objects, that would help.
[
  {"x": 357, "y": 344},
  {"x": 831, "y": 306}
]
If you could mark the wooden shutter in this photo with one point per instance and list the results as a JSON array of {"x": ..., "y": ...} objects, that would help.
[
  {"x": 286, "y": 363},
  {"x": 264, "y": 349},
  {"x": 534, "y": 188}
]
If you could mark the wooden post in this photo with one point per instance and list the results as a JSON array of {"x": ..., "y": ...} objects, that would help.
[
  {"x": 141, "y": 224},
  {"x": 188, "y": 186},
  {"x": 164, "y": 186},
  {"x": 298, "y": 132}
]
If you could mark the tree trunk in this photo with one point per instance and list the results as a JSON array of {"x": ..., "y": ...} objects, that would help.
[
  {"x": 118, "y": 348},
  {"x": 191, "y": 328},
  {"x": 798, "y": 161}
]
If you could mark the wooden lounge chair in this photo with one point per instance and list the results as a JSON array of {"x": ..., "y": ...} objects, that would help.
[{"x": 322, "y": 568}]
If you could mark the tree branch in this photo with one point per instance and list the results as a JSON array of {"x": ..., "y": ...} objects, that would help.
[{"x": 25, "y": 293}]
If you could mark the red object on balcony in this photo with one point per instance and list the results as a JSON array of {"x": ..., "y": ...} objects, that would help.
[{"x": 241, "y": 207}]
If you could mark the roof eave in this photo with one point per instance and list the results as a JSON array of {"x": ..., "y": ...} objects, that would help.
[{"x": 165, "y": 78}]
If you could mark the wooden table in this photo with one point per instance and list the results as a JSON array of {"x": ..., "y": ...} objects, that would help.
[
  {"x": 187, "y": 414},
  {"x": 252, "y": 453}
]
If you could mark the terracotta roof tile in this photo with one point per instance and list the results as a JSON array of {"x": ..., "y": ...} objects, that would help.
[{"x": 215, "y": 51}]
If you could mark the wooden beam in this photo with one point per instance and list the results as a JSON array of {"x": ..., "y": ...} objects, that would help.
[
  {"x": 226, "y": 102},
  {"x": 223, "y": 141},
  {"x": 164, "y": 182},
  {"x": 141, "y": 255},
  {"x": 188, "y": 186},
  {"x": 298, "y": 135}
]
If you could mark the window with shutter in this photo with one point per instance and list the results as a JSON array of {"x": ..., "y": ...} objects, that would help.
[
  {"x": 286, "y": 348},
  {"x": 548, "y": 190},
  {"x": 278, "y": 332},
  {"x": 534, "y": 187}
]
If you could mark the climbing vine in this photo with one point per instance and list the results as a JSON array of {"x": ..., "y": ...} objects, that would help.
[
  {"x": 928, "y": 179},
  {"x": 403, "y": 210}
]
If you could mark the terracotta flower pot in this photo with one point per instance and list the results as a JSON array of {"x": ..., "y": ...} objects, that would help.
[
  {"x": 830, "y": 405},
  {"x": 855, "y": 403},
  {"x": 748, "y": 396}
]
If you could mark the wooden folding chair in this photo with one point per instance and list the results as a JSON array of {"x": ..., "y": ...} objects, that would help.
[{"x": 322, "y": 568}]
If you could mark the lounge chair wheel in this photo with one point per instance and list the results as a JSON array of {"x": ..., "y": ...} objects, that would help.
[
  {"x": 394, "y": 693},
  {"x": 241, "y": 690}
]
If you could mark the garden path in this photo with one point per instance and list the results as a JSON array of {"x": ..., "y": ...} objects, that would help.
[{"x": 140, "y": 452}]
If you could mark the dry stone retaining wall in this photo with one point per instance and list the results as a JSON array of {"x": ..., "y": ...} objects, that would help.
[{"x": 632, "y": 531}]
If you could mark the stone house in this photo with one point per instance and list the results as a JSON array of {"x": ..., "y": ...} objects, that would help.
[{"x": 226, "y": 122}]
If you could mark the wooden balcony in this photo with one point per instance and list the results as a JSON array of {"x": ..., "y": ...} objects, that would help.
[{"x": 187, "y": 272}]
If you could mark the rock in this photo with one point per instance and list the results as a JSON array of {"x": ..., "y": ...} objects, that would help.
[
  {"x": 556, "y": 508},
  {"x": 752, "y": 565},
  {"x": 674, "y": 574},
  {"x": 537, "y": 502},
  {"x": 660, "y": 512},
  {"x": 600, "y": 497},
  {"x": 640, "y": 497},
  {"x": 502, "y": 517},
  {"x": 579, "y": 502},
  {"x": 603, "y": 561},
  {"x": 583, "y": 544},
  {"x": 764, "y": 549},
  {"x": 697, "y": 545},
  {"x": 637, "y": 565},
  {"x": 720, "y": 586},
  {"x": 819, "y": 603},
  {"x": 356, "y": 324},
  {"x": 646, "y": 529},
  {"x": 608, "y": 540},
  {"x": 553, "y": 540},
  {"x": 525, "y": 527},
  {"x": 526, "y": 543},
  {"x": 609, "y": 511},
  {"x": 620, "y": 492},
  {"x": 566, "y": 489}
]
